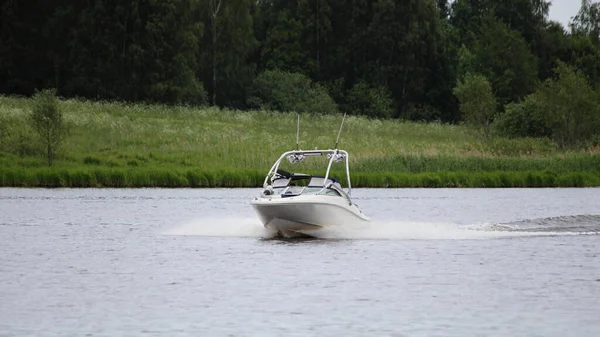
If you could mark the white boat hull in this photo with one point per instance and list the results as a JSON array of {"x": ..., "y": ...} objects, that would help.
[{"x": 305, "y": 214}]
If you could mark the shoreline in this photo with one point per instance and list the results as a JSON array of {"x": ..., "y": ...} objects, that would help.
[
  {"x": 137, "y": 146},
  {"x": 189, "y": 178}
]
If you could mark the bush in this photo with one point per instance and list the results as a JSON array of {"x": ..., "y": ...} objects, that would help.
[
  {"x": 283, "y": 91},
  {"x": 571, "y": 107},
  {"x": 566, "y": 109},
  {"x": 369, "y": 101},
  {"x": 521, "y": 120},
  {"x": 47, "y": 121},
  {"x": 477, "y": 101}
]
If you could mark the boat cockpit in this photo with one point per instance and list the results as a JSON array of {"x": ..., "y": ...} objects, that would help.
[
  {"x": 280, "y": 183},
  {"x": 287, "y": 184}
]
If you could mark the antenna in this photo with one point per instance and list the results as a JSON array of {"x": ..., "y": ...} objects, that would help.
[
  {"x": 340, "y": 132},
  {"x": 298, "y": 133}
]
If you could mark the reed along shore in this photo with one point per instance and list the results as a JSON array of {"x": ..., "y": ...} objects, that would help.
[{"x": 124, "y": 145}]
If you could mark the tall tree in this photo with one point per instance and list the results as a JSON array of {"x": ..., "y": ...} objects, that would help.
[
  {"x": 214, "y": 8},
  {"x": 444, "y": 8},
  {"x": 100, "y": 48},
  {"x": 503, "y": 56},
  {"x": 232, "y": 72},
  {"x": 316, "y": 14},
  {"x": 138, "y": 50},
  {"x": 527, "y": 17},
  {"x": 587, "y": 21},
  {"x": 173, "y": 35},
  {"x": 466, "y": 18},
  {"x": 405, "y": 42},
  {"x": 555, "y": 45},
  {"x": 33, "y": 43},
  {"x": 585, "y": 56},
  {"x": 8, "y": 23},
  {"x": 283, "y": 45}
]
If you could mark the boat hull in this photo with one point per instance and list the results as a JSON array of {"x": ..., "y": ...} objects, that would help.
[{"x": 305, "y": 215}]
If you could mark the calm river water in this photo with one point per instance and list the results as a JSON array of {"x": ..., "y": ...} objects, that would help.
[{"x": 195, "y": 262}]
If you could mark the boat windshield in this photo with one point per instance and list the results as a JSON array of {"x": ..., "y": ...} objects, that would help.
[
  {"x": 281, "y": 182},
  {"x": 304, "y": 184},
  {"x": 320, "y": 181},
  {"x": 316, "y": 184}
]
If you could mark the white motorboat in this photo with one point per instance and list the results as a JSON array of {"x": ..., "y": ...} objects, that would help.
[{"x": 297, "y": 204}]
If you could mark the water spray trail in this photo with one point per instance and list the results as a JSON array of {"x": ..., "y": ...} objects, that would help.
[{"x": 397, "y": 230}]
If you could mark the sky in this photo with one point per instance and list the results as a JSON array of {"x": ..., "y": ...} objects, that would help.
[{"x": 563, "y": 10}]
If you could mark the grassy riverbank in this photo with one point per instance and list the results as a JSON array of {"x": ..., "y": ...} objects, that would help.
[
  {"x": 113, "y": 144},
  {"x": 195, "y": 178}
]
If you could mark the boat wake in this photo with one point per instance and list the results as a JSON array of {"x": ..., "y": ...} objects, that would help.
[
  {"x": 393, "y": 230},
  {"x": 585, "y": 223},
  {"x": 588, "y": 224}
]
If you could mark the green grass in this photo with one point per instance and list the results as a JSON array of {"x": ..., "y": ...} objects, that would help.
[
  {"x": 115, "y": 144},
  {"x": 106, "y": 177}
]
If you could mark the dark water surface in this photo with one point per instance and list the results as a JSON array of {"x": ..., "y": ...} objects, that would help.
[{"x": 196, "y": 262}]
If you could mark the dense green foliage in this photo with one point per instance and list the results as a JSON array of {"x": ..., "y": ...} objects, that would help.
[
  {"x": 47, "y": 121},
  {"x": 571, "y": 107},
  {"x": 503, "y": 56},
  {"x": 282, "y": 91},
  {"x": 531, "y": 85},
  {"x": 477, "y": 101},
  {"x": 565, "y": 109},
  {"x": 523, "y": 119},
  {"x": 380, "y": 58},
  {"x": 368, "y": 101},
  {"x": 587, "y": 22},
  {"x": 117, "y": 144}
]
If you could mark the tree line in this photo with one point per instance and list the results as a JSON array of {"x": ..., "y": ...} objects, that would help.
[{"x": 412, "y": 59}]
